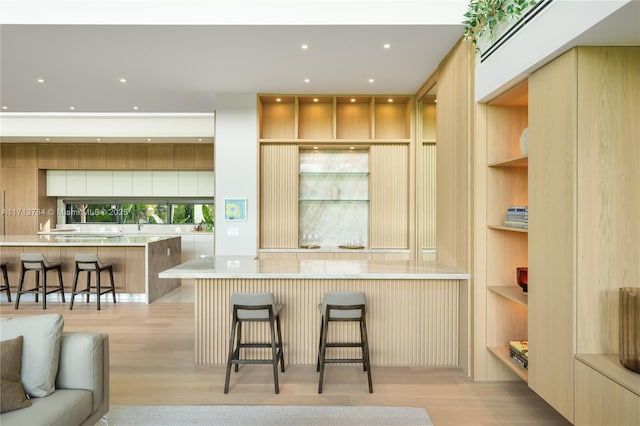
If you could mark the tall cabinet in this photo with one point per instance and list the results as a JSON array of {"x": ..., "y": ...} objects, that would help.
[{"x": 584, "y": 230}]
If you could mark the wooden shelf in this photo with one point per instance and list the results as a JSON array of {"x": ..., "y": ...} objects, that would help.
[
  {"x": 508, "y": 228},
  {"x": 609, "y": 366},
  {"x": 522, "y": 161},
  {"x": 511, "y": 292},
  {"x": 502, "y": 353}
]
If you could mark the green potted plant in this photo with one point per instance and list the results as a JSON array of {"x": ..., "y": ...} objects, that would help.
[{"x": 483, "y": 16}]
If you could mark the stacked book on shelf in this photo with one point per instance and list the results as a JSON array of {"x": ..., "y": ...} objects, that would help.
[
  {"x": 519, "y": 352},
  {"x": 517, "y": 217}
]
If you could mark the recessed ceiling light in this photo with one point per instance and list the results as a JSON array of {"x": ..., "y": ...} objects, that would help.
[
  {"x": 315, "y": 147},
  {"x": 136, "y": 108},
  {"x": 72, "y": 108},
  {"x": 315, "y": 99},
  {"x": 123, "y": 80},
  {"x": 306, "y": 80},
  {"x": 199, "y": 139},
  {"x": 98, "y": 139},
  {"x": 40, "y": 80},
  {"x": 278, "y": 100},
  {"x": 370, "y": 80},
  {"x": 353, "y": 99},
  {"x": 47, "y": 139},
  {"x": 386, "y": 46},
  {"x": 304, "y": 46},
  {"x": 5, "y": 107},
  {"x": 148, "y": 139},
  {"x": 435, "y": 101},
  {"x": 352, "y": 147},
  {"x": 390, "y": 100}
]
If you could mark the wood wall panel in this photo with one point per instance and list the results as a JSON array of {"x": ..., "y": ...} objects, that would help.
[
  {"x": 279, "y": 196},
  {"x": 552, "y": 203},
  {"x": 409, "y": 322},
  {"x": 608, "y": 179},
  {"x": 426, "y": 193},
  {"x": 389, "y": 196},
  {"x": 68, "y": 156},
  {"x": 454, "y": 129}
]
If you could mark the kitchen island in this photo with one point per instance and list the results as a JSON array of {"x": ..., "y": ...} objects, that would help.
[
  {"x": 136, "y": 260},
  {"x": 417, "y": 311}
]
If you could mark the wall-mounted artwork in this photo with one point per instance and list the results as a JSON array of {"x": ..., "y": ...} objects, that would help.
[{"x": 235, "y": 209}]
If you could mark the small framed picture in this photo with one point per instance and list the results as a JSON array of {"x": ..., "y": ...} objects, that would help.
[{"x": 235, "y": 209}]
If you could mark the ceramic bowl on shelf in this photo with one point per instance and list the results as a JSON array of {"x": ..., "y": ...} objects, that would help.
[{"x": 522, "y": 278}]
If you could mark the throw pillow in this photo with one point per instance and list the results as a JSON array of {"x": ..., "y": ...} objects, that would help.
[
  {"x": 40, "y": 350},
  {"x": 12, "y": 394}
]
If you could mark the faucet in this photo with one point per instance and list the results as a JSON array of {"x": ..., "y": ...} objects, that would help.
[{"x": 139, "y": 225}]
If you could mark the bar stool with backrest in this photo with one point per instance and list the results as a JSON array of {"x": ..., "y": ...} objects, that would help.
[
  {"x": 343, "y": 307},
  {"x": 5, "y": 285},
  {"x": 90, "y": 263},
  {"x": 37, "y": 263},
  {"x": 248, "y": 308}
]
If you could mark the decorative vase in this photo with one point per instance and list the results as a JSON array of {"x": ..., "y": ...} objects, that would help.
[
  {"x": 630, "y": 328},
  {"x": 522, "y": 278},
  {"x": 524, "y": 142}
]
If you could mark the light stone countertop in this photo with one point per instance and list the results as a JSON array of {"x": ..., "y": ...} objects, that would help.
[
  {"x": 252, "y": 268},
  {"x": 77, "y": 240}
]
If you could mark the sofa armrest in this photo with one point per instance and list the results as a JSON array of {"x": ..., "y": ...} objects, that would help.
[{"x": 84, "y": 364}]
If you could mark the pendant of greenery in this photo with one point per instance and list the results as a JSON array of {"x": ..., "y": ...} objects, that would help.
[{"x": 483, "y": 16}]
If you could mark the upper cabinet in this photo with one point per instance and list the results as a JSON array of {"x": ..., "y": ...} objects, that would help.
[{"x": 335, "y": 118}]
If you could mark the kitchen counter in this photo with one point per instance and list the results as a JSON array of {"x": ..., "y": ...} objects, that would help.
[
  {"x": 417, "y": 311},
  {"x": 249, "y": 267},
  {"x": 56, "y": 239},
  {"x": 137, "y": 260}
]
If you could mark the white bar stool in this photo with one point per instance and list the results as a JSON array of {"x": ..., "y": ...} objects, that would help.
[
  {"x": 255, "y": 307},
  {"x": 37, "y": 263},
  {"x": 90, "y": 263},
  {"x": 343, "y": 306}
]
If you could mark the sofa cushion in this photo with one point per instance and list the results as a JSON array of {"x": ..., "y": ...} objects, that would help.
[
  {"x": 11, "y": 390},
  {"x": 40, "y": 349},
  {"x": 64, "y": 407}
]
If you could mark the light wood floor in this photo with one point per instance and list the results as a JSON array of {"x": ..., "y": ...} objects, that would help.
[{"x": 152, "y": 364}]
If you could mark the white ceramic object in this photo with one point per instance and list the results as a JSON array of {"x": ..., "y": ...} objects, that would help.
[{"x": 524, "y": 142}]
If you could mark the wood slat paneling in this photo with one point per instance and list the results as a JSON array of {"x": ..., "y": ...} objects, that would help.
[
  {"x": 389, "y": 196},
  {"x": 278, "y": 196},
  {"x": 409, "y": 322}
]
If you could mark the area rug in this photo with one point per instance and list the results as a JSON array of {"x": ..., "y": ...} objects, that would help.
[{"x": 258, "y": 415}]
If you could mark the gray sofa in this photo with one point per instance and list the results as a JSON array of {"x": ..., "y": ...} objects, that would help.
[{"x": 81, "y": 393}]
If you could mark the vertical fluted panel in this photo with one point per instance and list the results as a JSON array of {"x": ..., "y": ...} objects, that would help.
[
  {"x": 409, "y": 322},
  {"x": 427, "y": 197},
  {"x": 278, "y": 196},
  {"x": 389, "y": 183}
]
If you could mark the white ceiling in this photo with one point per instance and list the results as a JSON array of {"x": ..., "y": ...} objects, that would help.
[
  {"x": 180, "y": 68},
  {"x": 184, "y": 53}
]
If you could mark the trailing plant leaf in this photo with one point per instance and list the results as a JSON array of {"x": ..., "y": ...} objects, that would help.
[{"x": 483, "y": 16}]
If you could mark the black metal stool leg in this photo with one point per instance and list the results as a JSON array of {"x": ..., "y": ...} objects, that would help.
[
  {"x": 59, "y": 268},
  {"x": 113, "y": 285},
  {"x": 5, "y": 277},
  {"x": 323, "y": 349},
  {"x": 274, "y": 355},
  {"x": 98, "y": 290},
  {"x": 20, "y": 286},
  {"x": 366, "y": 362},
  {"x": 232, "y": 351},
  {"x": 74, "y": 288},
  {"x": 280, "y": 343}
]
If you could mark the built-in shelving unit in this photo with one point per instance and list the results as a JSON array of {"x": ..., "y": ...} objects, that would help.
[
  {"x": 507, "y": 248},
  {"x": 341, "y": 119},
  {"x": 340, "y": 203}
]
